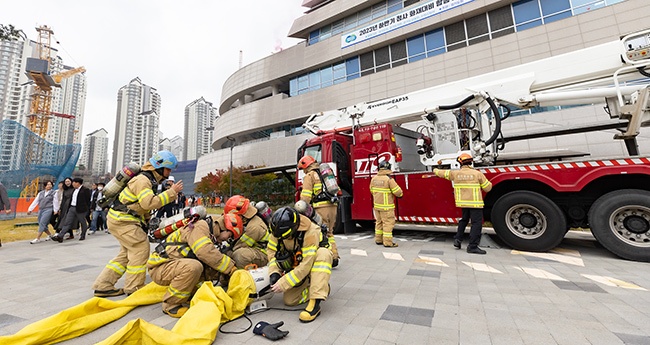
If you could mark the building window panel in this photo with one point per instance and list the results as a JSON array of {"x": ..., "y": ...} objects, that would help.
[
  {"x": 455, "y": 33},
  {"x": 338, "y": 27},
  {"x": 415, "y": 46},
  {"x": 313, "y": 36},
  {"x": 398, "y": 51},
  {"x": 476, "y": 26},
  {"x": 352, "y": 67},
  {"x": 434, "y": 40},
  {"x": 399, "y": 62},
  {"x": 364, "y": 16},
  {"x": 367, "y": 61},
  {"x": 325, "y": 32},
  {"x": 382, "y": 56},
  {"x": 339, "y": 72},
  {"x": 529, "y": 25},
  {"x": 314, "y": 80},
  {"x": 558, "y": 16},
  {"x": 525, "y": 11},
  {"x": 554, "y": 6},
  {"x": 408, "y": 3},
  {"x": 379, "y": 10}
]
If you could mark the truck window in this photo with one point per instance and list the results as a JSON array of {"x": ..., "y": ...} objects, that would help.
[{"x": 314, "y": 151}]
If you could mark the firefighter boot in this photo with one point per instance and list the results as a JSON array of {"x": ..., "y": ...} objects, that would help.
[
  {"x": 176, "y": 311},
  {"x": 311, "y": 312}
]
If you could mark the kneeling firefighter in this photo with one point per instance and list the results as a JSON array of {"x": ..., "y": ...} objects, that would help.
[
  {"x": 178, "y": 262},
  {"x": 300, "y": 261},
  {"x": 250, "y": 249}
]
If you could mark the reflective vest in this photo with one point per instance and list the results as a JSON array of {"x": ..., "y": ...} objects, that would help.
[
  {"x": 384, "y": 189},
  {"x": 468, "y": 184}
]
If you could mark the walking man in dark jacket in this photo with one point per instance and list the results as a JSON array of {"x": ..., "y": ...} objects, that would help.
[{"x": 79, "y": 208}]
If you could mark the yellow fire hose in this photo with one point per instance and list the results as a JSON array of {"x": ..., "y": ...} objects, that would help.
[{"x": 209, "y": 307}]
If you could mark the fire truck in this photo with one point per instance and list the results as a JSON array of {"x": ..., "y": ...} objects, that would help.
[{"x": 532, "y": 205}]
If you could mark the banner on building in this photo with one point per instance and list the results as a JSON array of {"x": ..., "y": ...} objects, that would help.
[{"x": 399, "y": 20}]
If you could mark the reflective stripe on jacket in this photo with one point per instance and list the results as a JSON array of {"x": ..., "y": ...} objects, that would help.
[
  {"x": 384, "y": 189},
  {"x": 468, "y": 184},
  {"x": 312, "y": 186}
]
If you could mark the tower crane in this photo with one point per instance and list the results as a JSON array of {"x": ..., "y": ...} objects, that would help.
[{"x": 40, "y": 112}]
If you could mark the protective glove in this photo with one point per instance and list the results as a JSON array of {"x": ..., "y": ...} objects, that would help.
[
  {"x": 270, "y": 331},
  {"x": 274, "y": 278}
]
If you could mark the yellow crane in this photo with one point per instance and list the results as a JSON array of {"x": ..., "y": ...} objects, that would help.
[{"x": 40, "y": 112}]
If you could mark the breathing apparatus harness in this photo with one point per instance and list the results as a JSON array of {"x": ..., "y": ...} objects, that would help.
[
  {"x": 288, "y": 261},
  {"x": 184, "y": 247},
  {"x": 121, "y": 207},
  {"x": 324, "y": 194}
]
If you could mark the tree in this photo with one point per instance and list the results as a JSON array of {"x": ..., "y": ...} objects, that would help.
[{"x": 10, "y": 33}]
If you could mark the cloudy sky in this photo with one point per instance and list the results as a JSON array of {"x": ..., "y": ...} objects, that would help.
[{"x": 185, "y": 49}]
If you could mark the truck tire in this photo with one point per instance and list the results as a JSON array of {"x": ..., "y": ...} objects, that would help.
[
  {"x": 528, "y": 221},
  {"x": 620, "y": 221}
]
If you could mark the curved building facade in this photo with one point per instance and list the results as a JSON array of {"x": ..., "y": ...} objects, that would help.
[{"x": 358, "y": 51}]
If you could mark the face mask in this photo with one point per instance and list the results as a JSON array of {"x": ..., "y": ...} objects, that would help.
[{"x": 100, "y": 188}]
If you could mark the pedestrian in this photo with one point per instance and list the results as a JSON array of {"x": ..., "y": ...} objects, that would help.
[
  {"x": 97, "y": 211},
  {"x": 93, "y": 193},
  {"x": 66, "y": 198},
  {"x": 167, "y": 210},
  {"x": 468, "y": 184},
  {"x": 128, "y": 218},
  {"x": 188, "y": 256},
  {"x": 79, "y": 208},
  {"x": 5, "y": 204},
  {"x": 313, "y": 193},
  {"x": 45, "y": 202},
  {"x": 250, "y": 249},
  {"x": 384, "y": 189},
  {"x": 300, "y": 261},
  {"x": 180, "y": 202},
  {"x": 56, "y": 206}
]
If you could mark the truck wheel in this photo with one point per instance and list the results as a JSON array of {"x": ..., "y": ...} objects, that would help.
[
  {"x": 528, "y": 221},
  {"x": 620, "y": 221}
]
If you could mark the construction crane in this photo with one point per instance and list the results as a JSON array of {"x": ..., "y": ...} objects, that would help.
[{"x": 40, "y": 112}]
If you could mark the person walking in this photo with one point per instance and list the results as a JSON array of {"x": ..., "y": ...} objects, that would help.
[
  {"x": 66, "y": 198},
  {"x": 45, "y": 202},
  {"x": 300, "y": 261},
  {"x": 312, "y": 192},
  {"x": 128, "y": 219},
  {"x": 468, "y": 183},
  {"x": 79, "y": 208},
  {"x": 97, "y": 211},
  {"x": 56, "y": 206},
  {"x": 384, "y": 190}
]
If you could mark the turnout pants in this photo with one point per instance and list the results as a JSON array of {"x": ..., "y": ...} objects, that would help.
[
  {"x": 132, "y": 258},
  {"x": 476, "y": 215},
  {"x": 384, "y": 224},
  {"x": 181, "y": 277},
  {"x": 328, "y": 213},
  {"x": 248, "y": 255},
  {"x": 316, "y": 285}
]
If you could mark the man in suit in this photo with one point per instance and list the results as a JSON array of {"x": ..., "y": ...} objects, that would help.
[{"x": 79, "y": 208}]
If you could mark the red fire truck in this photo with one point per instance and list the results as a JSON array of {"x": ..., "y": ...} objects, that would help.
[{"x": 532, "y": 205}]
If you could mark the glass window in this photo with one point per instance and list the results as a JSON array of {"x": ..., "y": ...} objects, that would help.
[
  {"x": 415, "y": 46},
  {"x": 364, "y": 17},
  {"x": 529, "y": 25},
  {"x": 435, "y": 42},
  {"x": 455, "y": 33},
  {"x": 313, "y": 36},
  {"x": 398, "y": 51},
  {"x": 325, "y": 32},
  {"x": 303, "y": 84},
  {"x": 591, "y": 5},
  {"x": 314, "y": 80},
  {"x": 326, "y": 74},
  {"x": 394, "y": 5},
  {"x": 350, "y": 22},
  {"x": 382, "y": 56},
  {"x": 476, "y": 26},
  {"x": 352, "y": 68},
  {"x": 338, "y": 27},
  {"x": 367, "y": 61},
  {"x": 293, "y": 87},
  {"x": 378, "y": 10},
  {"x": 554, "y": 6},
  {"x": 314, "y": 151},
  {"x": 526, "y": 10},
  {"x": 558, "y": 16},
  {"x": 339, "y": 72}
]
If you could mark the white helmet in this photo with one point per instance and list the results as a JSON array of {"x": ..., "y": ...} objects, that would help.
[{"x": 171, "y": 178}]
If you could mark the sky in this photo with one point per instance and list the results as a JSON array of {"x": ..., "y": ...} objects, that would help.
[{"x": 185, "y": 49}]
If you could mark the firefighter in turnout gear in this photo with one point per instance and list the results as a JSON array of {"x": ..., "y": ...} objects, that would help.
[
  {"x": 468, "y": 184},
  {"x": 179, "y": 261},
  {"x": 128, "y": 219},
  {"x": 384, "y": 189},
  {"x": 300, "y": 261},
  {"x": 312, "y": 192},
  {"x": 250, "y": 248}
]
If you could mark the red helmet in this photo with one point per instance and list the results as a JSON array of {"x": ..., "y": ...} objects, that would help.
[
  {"x": 234, "y": 224},
  {"x": 464, "y": 159},
  {"x": 237, "y": 204},
  {"x": 305, "y": 161}
]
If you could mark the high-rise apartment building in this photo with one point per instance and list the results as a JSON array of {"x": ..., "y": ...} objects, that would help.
[
  {"x": 199, "y": 130},
  {"x": 137, "y": 124},
  {"x": 13, "y": 55},
  {"x": 177, "y": 144},
  {"x": 70, "y": 101},
  {"x": 357, "y": 51},
  {"x": 94, "y": 155}
]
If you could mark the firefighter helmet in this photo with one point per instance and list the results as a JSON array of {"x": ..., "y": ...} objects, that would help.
[
  {"x": 237, "y": 204},
  {"x": 234, "y": 224},
  {"x": 284, "y": 222},
  {"x": 305, "y": 161},
  {"x": 464, "y": 159},
  {"x": 384, "y": 165},
  {"x": 164, "y": 159}
]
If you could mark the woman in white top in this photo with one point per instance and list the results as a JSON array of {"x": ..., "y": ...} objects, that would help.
[{"x": 45, "y": 201}]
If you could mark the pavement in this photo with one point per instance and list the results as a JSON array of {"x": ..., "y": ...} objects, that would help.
[{"x": 422, "y": 292}]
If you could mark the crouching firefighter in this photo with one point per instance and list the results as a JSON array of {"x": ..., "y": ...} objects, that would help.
[
  {"x": 300, "y": 261},
  {"x": 250, "y": 249},
  {"x": 188, "y": 256},
  {"x": 128, "y": 220}
]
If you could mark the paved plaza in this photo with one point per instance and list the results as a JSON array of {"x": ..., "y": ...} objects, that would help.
[{"x": 423, "y": 292}]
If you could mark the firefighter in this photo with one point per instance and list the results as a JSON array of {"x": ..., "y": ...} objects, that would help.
[
  {"x": 468, "y": 184},
  {"x": 384, "y": 189},
  {"x": 128, "y": 218},
  {"x": 312, "y": 192},
  {"x": 178, "y": 262},
  {"x": 300, "y": 262},
  {"x": 250, "y": 248}
]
